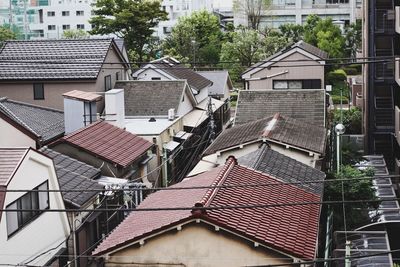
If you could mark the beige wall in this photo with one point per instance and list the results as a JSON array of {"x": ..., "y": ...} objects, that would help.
[
  {"x": 12, "y": 137},
  {"x": 196, "y": 245},
  {"x": 53, "y": 90},
  {"x": 294, "y": 73}
]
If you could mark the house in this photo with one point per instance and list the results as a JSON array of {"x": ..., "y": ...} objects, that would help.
[
  {"x": 300, "y": 141},
  {"x": 299, "y": 66},
  {"x": 303, "y": 105},
  {"x": 28, "y": 125},
  {"x": 40, "y": 72},
  {"x": 168, "y": 68},
  {"x": 115, "y": 151},
  {"x": 202, "y": 233},
  {"x": 38, "y": 236}
]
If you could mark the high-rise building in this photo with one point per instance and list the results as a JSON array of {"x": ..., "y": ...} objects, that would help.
[
  {"x": 296, "y": 12},
  {"x": 381, "y": 94}
]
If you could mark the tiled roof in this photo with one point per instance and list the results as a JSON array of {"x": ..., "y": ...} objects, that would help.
[
  {"x": 53, "y": 59},
  {"x": 81, "y": 95},
  {"x": 10, "y": 158},
  {"x": 305, "y": 105},
  {"x": 73, "y": 175},
  {"x": 292, "y": 229},
  {"x": 45, "y": 123},
  {"x": 277, "y": 128},
  {"x": 284, "y": 168},
  {"x": 151, "y": 98},
  {"x": 219, "y": 80},
  {"x": 181, "y": 72},
  {"x": 108, "y": 142}
]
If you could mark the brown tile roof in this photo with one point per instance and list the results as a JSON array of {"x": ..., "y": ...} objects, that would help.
[
  {"x": 10, "y": 158},
  {"x": 284, "y": 130},
  {"x": 292, "y": 229},
  {"x": 108, "y": 142},
  {"x": 304, "y": 105},
  {"x": 80, "y": 95}
]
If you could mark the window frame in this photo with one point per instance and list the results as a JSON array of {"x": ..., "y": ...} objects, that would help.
[
  {"x": 107, "y": 83},
  {"x": 51, "y": 27},
  {"x": 79, "y": 13},
  {"x": 36, "y": 95},
  {"x": 65, "y": 13},
  {"x": 51, "y": 13}
]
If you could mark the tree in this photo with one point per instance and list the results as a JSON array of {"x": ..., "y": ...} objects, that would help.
[
  {"x": 357, "y": 189},
  {"x": 253, "y": 10},
  {"x": 247, "y": 47},
  {"x": 353, "y": 37},
  {"x": 132, "y": 20},
  {"x": 196, "y": 37},
  {"x": 292, "y": 32},
  {"x": 75, "y": 34},
  {"x": 6, "y": 34}
]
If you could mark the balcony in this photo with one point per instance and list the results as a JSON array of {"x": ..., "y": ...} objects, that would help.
[
  {"x": 397, "y": 124},
  {"x": 397, "y": 20},
  {"x": 397, "y": 70},
  {"x": 384, "y": 22}
]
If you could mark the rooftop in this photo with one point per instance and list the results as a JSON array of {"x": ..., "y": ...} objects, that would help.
[
  {"x": 73, "y": 175},
  {"x": 10, "y": 158},
  {"x": 286, "y": 228},
  {"x": 305, "y": 105},
  {"x": 53, "y": 59},
  {"x": 219, "y": 79},
  {"x": 81, "y": 95},
  {"x": 45, "y": 124},
  {"x": 148, "y": 126},
  {"x": 108, "y": 142}
]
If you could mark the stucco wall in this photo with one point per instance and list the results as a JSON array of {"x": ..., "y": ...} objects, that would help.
[
  {"x": 186, "y": 105},
  {"x": 46, "y": 231},
  {"x": 196, "y": 245},
  {"x": 294, "y": 73},
  {"x": 12, "y": 137}
]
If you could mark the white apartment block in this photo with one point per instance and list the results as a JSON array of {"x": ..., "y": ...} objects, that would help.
[
  {"x": 296, "y": 11},
  {"x": 177, "y": 9},
  {"x": 61, "y": 15}
]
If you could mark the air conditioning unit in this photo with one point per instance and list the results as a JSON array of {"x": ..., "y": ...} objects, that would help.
[{"x": 171, "y": 114}]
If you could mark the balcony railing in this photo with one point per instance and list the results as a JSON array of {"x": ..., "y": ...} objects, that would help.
[
  {"x": 397, "y": 20},
  {"x": 384, "y": 21},
  {"x": 383, "y": 112}
]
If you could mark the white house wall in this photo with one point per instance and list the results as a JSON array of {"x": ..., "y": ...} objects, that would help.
[
  {"x": 185, "y": 106},
  {"x": 12, "y": 137},
  {"x": 149, "y": 73},
  {"x": 203, "y": 94},
  {"x": 48, "y": 230}
]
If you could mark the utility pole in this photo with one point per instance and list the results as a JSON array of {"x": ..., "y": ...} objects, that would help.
[
  {"x": 25, "y": 21},
  {"x": 210, "y": 114},
  {"x": 165, "y": 166}
]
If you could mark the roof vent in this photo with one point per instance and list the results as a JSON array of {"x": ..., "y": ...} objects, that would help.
[
  {"x": 171, "y": 114},
  {"x": 152, "y": 119}
]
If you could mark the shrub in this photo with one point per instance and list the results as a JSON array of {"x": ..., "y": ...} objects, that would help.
[
  {"x": 335, "y": 77},
  {"x": 336, "y": 99},
  {"x": 351, "y": 71}
]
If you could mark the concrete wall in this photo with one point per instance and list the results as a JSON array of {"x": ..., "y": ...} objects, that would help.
[
  {"x": 46, "y": 231},
  {"x": 12, "y": 137},
  {"x": 196, "y": 245},
  {"x": 314, "y": 71}
]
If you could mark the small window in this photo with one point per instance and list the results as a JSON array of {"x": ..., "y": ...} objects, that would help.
[
  {"x": 66, "y": 27},
  {"x": 107, "y": 82},
  {"x": 51, "y": 27},
  {"x": 65, "y": 13},
  {"x": 80, "y": 26},
  {"x": 38, "y": 91},
  {"x": 117, "y": 76},
  {"x": 156, "y": 78},
  {"x": 51, "y": 13},
  {"x": 80, "y": 13}
]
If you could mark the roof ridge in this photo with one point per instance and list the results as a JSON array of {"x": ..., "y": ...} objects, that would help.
[
  {"x": 8, "y": 112},
  {"x": 271, "y": 125},
  {"x": 59, "y": 40}
]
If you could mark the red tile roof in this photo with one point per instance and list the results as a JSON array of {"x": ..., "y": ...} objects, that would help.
[
  {"x": 81, "y": 95},
  {"x": 290, "y": 229},
  {"x": 108, "y": 142}
]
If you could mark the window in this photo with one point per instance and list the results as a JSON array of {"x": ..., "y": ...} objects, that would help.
[
  {"x": 51, "y": 13},
  {"x": 155, "y": 78},
  {"x": 117, "y": 76},
  {"x": 80, "y": 26},
  {"x": 107, "y": 82},
  {"x": 66, "y": 27},
  {"x": 38, "y": 91},
  {"x": 297, "y": 84},
  {"x": 33, "y": 202},
  {"x": 51, "y": 27},
  {"x": 65, "y": 13},
  {"x": 80, "y": 13}
]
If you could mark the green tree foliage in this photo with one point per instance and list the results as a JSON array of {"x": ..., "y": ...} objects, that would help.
[
  {"x": 353, "y": 37},
  {"x": 323, "y": 34},
  {"x": 292, "y": 32},
  {"x": 248, "y": 47},
  {"x": 352, "y": 119},
  {"x": 132, "y": 20},
  {"x": 253, "y": 9},
  {"x": 6, "y": 34},
  {"x": 357, "y": 189},
  {"x": 196, "y": 37},
  {"x": 75, "y": 34}
]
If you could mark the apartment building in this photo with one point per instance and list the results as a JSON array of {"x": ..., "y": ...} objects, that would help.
[
  {"x": 381, "y": 77},
  {"x": 296, "y": 12}
]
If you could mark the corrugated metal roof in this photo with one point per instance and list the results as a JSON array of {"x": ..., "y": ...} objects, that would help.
[
  {"x": 109, "y": 142},
  {"x": 10, "y": 158}
]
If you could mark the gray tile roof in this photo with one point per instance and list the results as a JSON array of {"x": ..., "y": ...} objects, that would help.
[
  {"x": 284, "y": 130},
  {"x": 284, "y": 168},
  {"x": 181, "y": 72},
  {"x": 219, "y": 80},
  {"x": 151, "y": 98},
  {"x": 74, "y": 175},
  {"x": 45, "y": 123},
  {"x": 305, "y": 105},
  {"x": 53, "y": 59}
]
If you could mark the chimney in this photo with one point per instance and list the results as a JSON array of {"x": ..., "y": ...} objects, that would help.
[
  {"x": 115, "y": 107},
  {"x": 79, "y": 109},
  {"x": 171, "y": 114}
]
